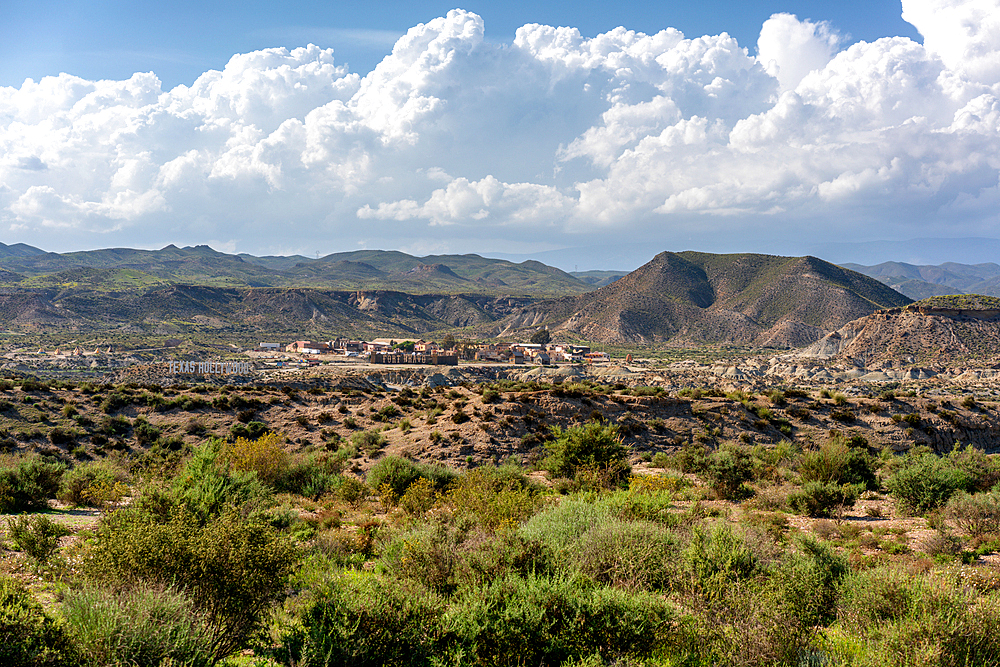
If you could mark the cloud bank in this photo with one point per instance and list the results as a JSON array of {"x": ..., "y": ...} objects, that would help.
[{"x": 455, "y": 144}]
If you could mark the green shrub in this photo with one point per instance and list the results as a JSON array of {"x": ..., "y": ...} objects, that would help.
[
  {"x": 631, "y": 555},
  {"x": 387, "y": 413},
  {"x": 877, "y": 597},
  {"x": 61, "y": 436},
  {"x": 114, "y": 426},
  {"x": 399, "y": 473},
  {"x": 809, "y": 580},
  {"x": 977, "y": 514},
  {"x": 145, "y": 625},
  {"x": 36, "y": 535},
  {"x": 495, "y": 497},
  {"x": 29, "y": 483},
  {"x": 717, "y": 558},
  {"x": 28, "y": 636},
  {"x": 368, "y": 442},
  {"x": 692, "y": 457},
  {"x": 592, "y": 445},
  {"x": 353, "y": 491},
  {"x": 430, "y": 554},
  {"x": 983, "y": 470},
  {"x": 313, "y": 475},
  {"x": 536, "y": 620},
  {"x": 822, "y": 498},
  {"x": 207, "y": 487},
  {"x": 232, "y": 568},
  {"x": 903, "y": 620},
  {"x": 114, "y": 401},
  {"x": 835, "y": 461},
  {"x": 927, "y": 481},
  {"x": 660, "y": 460},
  {"x": 363, "y": 619},
  {"x": 251, "y": 431},
  {"x": 145, "y": 433},
  {"x": 77, "y": 483},
  {"x": 729, "y": 468}
]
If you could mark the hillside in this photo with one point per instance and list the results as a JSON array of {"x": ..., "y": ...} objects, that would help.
[
  {"x": 293, "y": 312},
  {"x": 691, "y": 297},
  {"x": 939, "y": 331},
  {"x": 116, "y": 269}
]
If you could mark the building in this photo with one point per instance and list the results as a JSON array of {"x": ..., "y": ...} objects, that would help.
[
  {"x": 345, "y": 346},
  {"x": 307, "y": 347}
]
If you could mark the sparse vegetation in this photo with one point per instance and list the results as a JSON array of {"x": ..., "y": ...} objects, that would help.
[{"x": 347, "y": 542}]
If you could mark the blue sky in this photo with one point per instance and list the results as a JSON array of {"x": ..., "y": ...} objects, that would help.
[
  {"x": 504, "y": 128},
  {"x": 180, "y": 40}
]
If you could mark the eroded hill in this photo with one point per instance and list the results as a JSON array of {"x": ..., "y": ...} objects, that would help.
[{"x": 690, "y": 297}]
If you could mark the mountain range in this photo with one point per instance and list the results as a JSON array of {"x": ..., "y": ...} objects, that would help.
[
  {"x": 117, "y": 268},
  {"x": 919, "y": 281},
  {"x": 686, "y": 298}
]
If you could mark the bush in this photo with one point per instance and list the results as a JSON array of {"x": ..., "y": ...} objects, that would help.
[
  {"x": 729, "y": 468},
  {"x": 836, "y": 462},
  {"x": 419, "y": 497},
  {"x": 230, "y": 567},
  {"x": 494, "y": 497},
  {"x": 560, "y": 528},
  {"x": 61, "y": 436},
  {"x": 590, "y": 446},
  {"x": 145, "y": 433},
  {"x": 927, "y": 481},
  {"x": 908, "y": 621},
  {"x": 975, "y": 514},
  {"x": 536, "y": 620},
  {"x": 387, "y": 413},
  {"x": 717, "y": 559},
  {"x": 983, "y": 470},
  {"x": 145, "y": 625},
  {"x": 29, "y": 484},
  {"x": 207, "y": 488},
  {"x": 368, "y": 442},
  {"x": 395, "y": 471},
  {"x": 114, "y": 426},
  {"x": 80, "y": 484},
  {"x": 363, "y": 619},
  {"x": 28, "y": 636},
  {"x": 821, "y": 498},
  {"x": 37, "y": 535},
  {"x": 631, "y": 555},
  {"x": 809, "y": 580},
  {"x": 251, "y": 431},
  {"x": 114, "y": 401},
  {"x": 264, "y": 456}
]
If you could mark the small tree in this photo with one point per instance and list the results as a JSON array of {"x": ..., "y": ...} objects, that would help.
[
  {"x": 541, "y": 337},
  {"x": 591, "y": 446}
]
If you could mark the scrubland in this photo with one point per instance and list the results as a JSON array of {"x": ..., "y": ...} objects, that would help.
[{"x": 217, "y": 533}]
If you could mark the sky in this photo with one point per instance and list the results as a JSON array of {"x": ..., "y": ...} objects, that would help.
[{"x": 581, "y": 133}]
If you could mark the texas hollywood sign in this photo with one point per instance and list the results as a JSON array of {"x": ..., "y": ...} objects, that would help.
[{"x": 210, "y": 367}]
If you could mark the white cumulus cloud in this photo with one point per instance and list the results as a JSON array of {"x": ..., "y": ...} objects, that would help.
[
  {"x": 789, "y": 48},
  {"x": 556, "y": 139}
]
